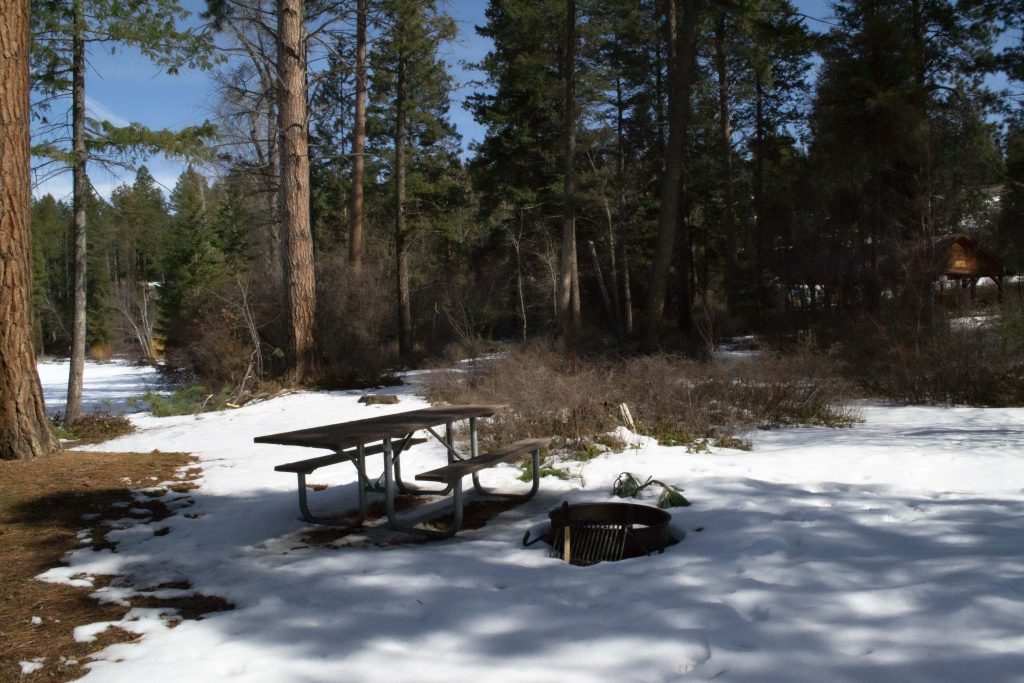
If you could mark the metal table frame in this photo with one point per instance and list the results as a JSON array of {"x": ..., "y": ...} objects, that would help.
[{"x": 394, "y": 431}]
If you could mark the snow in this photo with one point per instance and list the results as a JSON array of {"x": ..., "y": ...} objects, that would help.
[
  {"x": 107, "y": 387},
  {"x": 890, "y": 551},
  {"x": 30, "y": 666}
]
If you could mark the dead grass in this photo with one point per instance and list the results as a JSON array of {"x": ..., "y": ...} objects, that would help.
[
  {"x": 678, "y": 401},
  {"x": 93, "y": 428},
  {"x": 42, "y": 504}
]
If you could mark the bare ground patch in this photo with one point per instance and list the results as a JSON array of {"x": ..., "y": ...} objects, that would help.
[
  {"x": 43, "y": 505},
  {"x": 475, "y": 515}
]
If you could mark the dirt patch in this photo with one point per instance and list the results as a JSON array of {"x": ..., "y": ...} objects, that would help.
[
  {"x": 475, "y": 514},
  {"x": 344, "y": 525},
  {"x": 43, "y": 505}
]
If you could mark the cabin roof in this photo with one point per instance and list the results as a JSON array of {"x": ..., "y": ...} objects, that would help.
[{"x": 953, "y": 255}]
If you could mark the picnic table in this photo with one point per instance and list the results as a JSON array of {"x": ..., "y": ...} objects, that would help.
[{"x": 390, "y": 435}]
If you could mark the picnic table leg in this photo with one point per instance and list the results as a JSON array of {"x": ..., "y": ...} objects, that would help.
[
  {"x": 415, "y": 490},
  {"x": 396, "y": 461},
  {"x": 389, "y": 501},
  {"x": 389, "y": 486},
  {"x": 456, "y": 507},
  {"x": 474, "y": 450},
  {"x": 535, "y": 462},
  {"x": 304, "y": 504},
  {"x": 361, "y": 481},
  {"x": 449, "y": 441}
]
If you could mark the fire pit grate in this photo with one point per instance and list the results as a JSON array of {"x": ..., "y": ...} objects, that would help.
[{"x": 589, "y": 533}]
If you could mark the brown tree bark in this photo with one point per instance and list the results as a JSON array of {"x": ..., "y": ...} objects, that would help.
[
  {"x": 24, "y": 431},
  {"x": 681, "y": 46},
  {"x": 620, "y": 204},
  {"x": 725, "y": 149},
  {"x": 758, "y": 191},
  {"x": 355, "y": 234},
  {"x": 293, "y": 128},
  {"x": 568, "y": 280},
  {"x": 401, "y": 253},
  {"x": 80, "y": 188}
]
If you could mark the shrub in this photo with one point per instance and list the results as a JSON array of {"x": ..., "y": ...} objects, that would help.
[
  {"x": 545, "y": 471},
  {"x": 93, "y": 428},
  {"x": 188, "y": 400},
  {"x": 677, "y": 401},
  {"x": 951, "y": 363}
]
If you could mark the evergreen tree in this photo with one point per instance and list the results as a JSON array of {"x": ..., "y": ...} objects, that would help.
[
  {"x": 141, "y": 227},
  {"x": 63, "y": 30},
  {"x": 1010, "y": 238},
  {"x": 409, "y": 117},
  {"x": 51, "y": 247},
  {"x": 516, "y": 167},
  {"x": 899, "y": 77},
  {"x": 189, "y": 261}
]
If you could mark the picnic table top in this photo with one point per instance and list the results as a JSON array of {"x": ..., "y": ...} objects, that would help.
[{"x": 344, "y": 435}]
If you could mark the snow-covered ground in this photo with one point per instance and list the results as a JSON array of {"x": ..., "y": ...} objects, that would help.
[
  {"x": 891, "y": 551},
  {"x": 107, "y": 387}
]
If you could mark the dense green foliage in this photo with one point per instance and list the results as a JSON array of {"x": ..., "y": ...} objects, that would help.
[{"x": 812, "y": 155}]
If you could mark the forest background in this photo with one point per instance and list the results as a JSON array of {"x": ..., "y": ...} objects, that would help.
[{"x": 650, "y": 176}]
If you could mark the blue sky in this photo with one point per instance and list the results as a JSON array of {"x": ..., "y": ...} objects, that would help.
[{"x": 126, "y": 87}]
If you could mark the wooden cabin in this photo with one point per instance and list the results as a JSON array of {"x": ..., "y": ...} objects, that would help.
[{"x": 958, "y": 257}]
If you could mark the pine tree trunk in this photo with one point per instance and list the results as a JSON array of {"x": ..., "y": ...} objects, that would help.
[
  {"x": 681, "y": 45},
  {"x": 24, "y": 431},
  {"x": 355, "y": 238},
  {"x": 401, "y": 254},
  {"x": 569, "y": 306},
  {"x": 620, "y": 204},
  {"x": 276, "y": 253},
  {"x": 670, "y": 179},
  {"x": 758, "y": 190},
  {"x": 728, "y": 185},
  {"x": 292, "y": 122},
  {"x": 80, "y": 188}
]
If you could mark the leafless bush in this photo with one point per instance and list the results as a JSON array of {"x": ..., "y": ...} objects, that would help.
[
  {"x": 549, "y": 394},
  {"x": 352, "y": 322},
  {"x": 674, "y": 399},
  {"x": 974, "y": 365}
]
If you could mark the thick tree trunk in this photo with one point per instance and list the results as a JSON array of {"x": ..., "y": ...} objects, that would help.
[
  {"x": 569, "y": 304},
  {"x": 80, "y": 187},
  {"x": 277, "y": 258},
  {"x": 355, "y": 233},
  {"x": 759, "y": 225},
  {"x": 24, "y": 432},
  {"x": 725, "y": 149},
  {"x": 401, "y": 253},
  {"x": 672, "y": 170},
  {"x": 292, "y": 122},
  {"x": 620, "y": 204},
  {"x": 277, "y": 253},
  {"x": 681, "y": 45}
]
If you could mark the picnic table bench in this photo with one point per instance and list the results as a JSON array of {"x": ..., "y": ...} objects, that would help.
[
  {"x": 453, "y": 473},
  {"x": 390, "y": 435}
]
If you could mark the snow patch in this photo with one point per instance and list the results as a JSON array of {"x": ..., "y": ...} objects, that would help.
[{"x": 889, "y": 551}]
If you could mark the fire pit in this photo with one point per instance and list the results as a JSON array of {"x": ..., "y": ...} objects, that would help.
[{"x": 589, "y": 533}]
